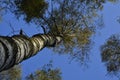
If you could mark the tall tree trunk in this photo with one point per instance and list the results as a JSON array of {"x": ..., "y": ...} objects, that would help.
[{"x": 17, "y": 48}]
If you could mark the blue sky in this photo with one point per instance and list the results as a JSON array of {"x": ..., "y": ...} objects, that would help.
[{"x": 70, "y": 71}]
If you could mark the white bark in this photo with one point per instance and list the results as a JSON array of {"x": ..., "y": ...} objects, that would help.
[{"x": 17, "y": 48}]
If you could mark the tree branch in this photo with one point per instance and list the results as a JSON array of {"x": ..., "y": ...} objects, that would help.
[{"x": 43, "y": 29}]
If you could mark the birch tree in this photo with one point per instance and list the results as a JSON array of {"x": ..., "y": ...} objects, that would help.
[
  {"x": 17, "y": 48},
  {"x": 69, "y": 22},
  {"x": 68, "y": 26}
]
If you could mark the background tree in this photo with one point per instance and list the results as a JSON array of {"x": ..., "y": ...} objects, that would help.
[
  {"x": 110, "y": 54},
  {"x": 47, "y": 72},
  {"x": 11, "y": 74}
]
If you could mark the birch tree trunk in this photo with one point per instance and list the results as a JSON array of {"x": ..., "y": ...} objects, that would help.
[{"x": 17, "y": 48}]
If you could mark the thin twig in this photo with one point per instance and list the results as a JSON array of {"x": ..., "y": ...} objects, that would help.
[{"x": 43, "y": 29}]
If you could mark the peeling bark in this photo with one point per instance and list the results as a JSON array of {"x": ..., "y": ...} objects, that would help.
[{"x": 17, "y": 48}]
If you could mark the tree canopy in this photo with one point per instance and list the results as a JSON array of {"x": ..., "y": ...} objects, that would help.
[
  {"x": 11, "y": 74},
  {"x": 74, "y": 21},
  {"x": 46, "y": 72},
  {"x": 110, "y": 54}
]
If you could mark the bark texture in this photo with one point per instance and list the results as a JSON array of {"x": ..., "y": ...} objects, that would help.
[{"x": 17, "y": 48}]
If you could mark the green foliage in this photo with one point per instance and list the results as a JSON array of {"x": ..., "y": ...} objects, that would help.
[
  {"x": 11, "y": 74},
  {"x": 74, "y": 22},
  {"x": 94, "y": 3},
  {"x": 110, "y": 53},
  {"x": 46, "y": 73},
  {"x": 30, "y": 8},
  {"x": 76, "y": 43}
]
